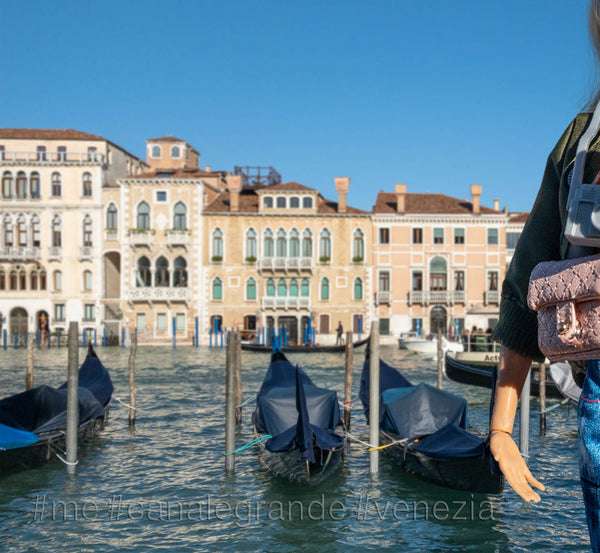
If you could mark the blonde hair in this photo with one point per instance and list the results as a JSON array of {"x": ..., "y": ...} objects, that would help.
[{"x": 594, "y": 30}]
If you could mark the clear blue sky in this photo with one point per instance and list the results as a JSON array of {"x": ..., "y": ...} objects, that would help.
[{"x": 437, "y": 94}]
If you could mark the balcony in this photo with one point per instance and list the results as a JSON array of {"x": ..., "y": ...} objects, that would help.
[
  {"x": 165, "y": 293},
  {"x": 52, "y": 158},
  {"x": 286, "y": 264},
  {"x": 384, "y": 297},
  {"x": 85, "y": 253},
  {"x": 20, "y": 253},
  {"x": 141, "y": 237},
  {"x": 492, "y": 297},
  {"x": 54, "y": 253},
  {"x": 178, "y": 238},
  {"x": 286, "y": 303},
  {"x": 111, "y": 235},
  {"x": 443, "y": 297}
]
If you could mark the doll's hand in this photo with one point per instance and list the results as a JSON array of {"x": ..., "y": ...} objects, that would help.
[{"x": 508, "y": 456}]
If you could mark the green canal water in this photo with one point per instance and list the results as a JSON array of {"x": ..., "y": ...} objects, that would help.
[{"x": 163, "y": 486}]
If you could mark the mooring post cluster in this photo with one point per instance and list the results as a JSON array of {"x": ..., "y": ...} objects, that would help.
[
  {"x": 232, "y": 363},
  {"x": 348, "y": 363},
  {"x": 72, "y": 397},
  {"x": 374, "y": 398}
]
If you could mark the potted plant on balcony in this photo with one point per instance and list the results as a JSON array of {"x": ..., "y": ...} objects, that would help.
[{"x": 251, "y": 259}]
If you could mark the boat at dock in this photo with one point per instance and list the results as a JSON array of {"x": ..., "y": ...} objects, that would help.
[
  {"x": 33, "y": 423},
  {"x": 297, "y": 425},
  {"x": 422, "y": 344},
  {"x": 311, "y": 348},
  {"x": 425, "y": 431}
]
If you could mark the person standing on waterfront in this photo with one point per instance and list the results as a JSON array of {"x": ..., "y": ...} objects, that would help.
[
  {"x": 543, "y": 240},
  {"x": 340, "y": 334}
]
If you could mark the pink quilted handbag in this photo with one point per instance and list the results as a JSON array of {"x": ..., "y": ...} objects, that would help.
[{"x": 566, "y": 296}]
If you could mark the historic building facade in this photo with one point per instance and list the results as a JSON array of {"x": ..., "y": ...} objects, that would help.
[{"x": 52, "y": 226}]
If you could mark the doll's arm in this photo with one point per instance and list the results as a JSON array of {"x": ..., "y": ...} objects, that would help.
[{"x": 513, "y": 369}]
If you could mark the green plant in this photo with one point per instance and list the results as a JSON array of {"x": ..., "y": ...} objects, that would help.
[
  {"x": 251, "y": 259},
  {"x": 140, "y": 230},
  {"x": 357, "y": 259},
  {"x": 216, "y": 258},
  {"x": 324, "y": 259}
]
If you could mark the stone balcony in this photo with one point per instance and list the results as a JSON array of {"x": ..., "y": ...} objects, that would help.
[
  {"x": 140, "y": 238},
  {"x": 19, "y": 253},
  {"x": 52, "y": 158},
  {"x": 178, "y": 238},
  {"x": 286, "y": 264},
  {"x": 443, "y": 297},
  {"x": 492, "y": 296},
  {"x": 85, "y": 253},
  {"x": 54, "y": 253},
  {"x": 160, "y": 293},
  {"x": 383, "y": 297},
  {"x": 286, "y": 303}
]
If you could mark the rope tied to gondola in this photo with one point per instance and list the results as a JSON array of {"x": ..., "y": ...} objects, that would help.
[
  {"x": 254, "y": 442},
  {"x": 251, "y": 399},
  {"x": 123, "y": 403}
]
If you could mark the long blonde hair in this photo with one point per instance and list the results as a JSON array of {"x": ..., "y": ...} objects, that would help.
[{"x": 594, "y": 30}]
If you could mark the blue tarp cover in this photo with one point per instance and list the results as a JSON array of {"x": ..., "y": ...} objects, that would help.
[{"x": 11, "y": 438}]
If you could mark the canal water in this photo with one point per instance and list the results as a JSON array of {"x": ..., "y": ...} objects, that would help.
[{"x": 163, "y": 487}]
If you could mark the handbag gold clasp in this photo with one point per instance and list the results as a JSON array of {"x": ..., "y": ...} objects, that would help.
[{"x": 562, "y": 328}]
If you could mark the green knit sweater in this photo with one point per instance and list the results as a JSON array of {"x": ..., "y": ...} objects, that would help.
[{"x": 542, "y": 240}]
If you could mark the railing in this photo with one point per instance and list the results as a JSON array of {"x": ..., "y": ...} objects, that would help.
[
  {"x": 141, "y": 238},
  {"x": 81, "y": 158},
  {"x": 286, "y": 264},
  {"x": 54, "y": 253},
  {"x": 19, "y": 253},
  {"x": 426, "y": 297},
  {"x": 112, "y": 312},
  {"x": 286, "y": 303},
  {"x": 85, "y": 253},
  {"x": 165, "y": 293},
  {"x": 383, "y": 297},
  {"x": 492, "y": 297},
  {"x": 178, "y": 238},
  {"x": 110, "y": 235}
]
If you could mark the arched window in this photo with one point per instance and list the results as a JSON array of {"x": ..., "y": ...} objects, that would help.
[
  {"x": 155, "y": 152},
  {"x": 217, "y": 245},
  {"x": 13, "y": 280},
  {"x": 143, "y": 216},
  {"x": 307, "y": 202},
  {"x": 34, "y": 185},
  {"x": 57, "y": 278},
  {"x": 217, "y": 289},
  {"x": 42, "y": 280},
  {"x": 251, "y": 249},
  {"x": 111, "y": 217},
  {"x": 180, "y": 272},
  {"x": 87, "y": 184},
  {"x": 282, "y": 288},
  {"x": 358, "y": 245},
  {"x": 250, "y": 289},
  {"x": 294, "y": 202},
  {"x": 33, "y": 278},
  {"x": 307, "y": 243},
  {"x": 7, "y": 184},
  {"x": 8, "y": 231},
  {"x": 180, "y": 216},
  {"x": 175, "y": 152},
  {"x": 87, "y": 281},
  {"x": 305, "y": 288},
  {"x": 270, "y": 287},
  {"x": 143, "y": 276},
  {"x": 56, "y": 232},
  {"x": 358, "y": 289},
  {"x": 281, "y": 202},
  {"x": 161, "y": 277},
  {"x": 325, "y": 245},
  {"x": 22, "y": 280},
  {"x": 294, "y": 243},
  {"x": 2, "y": 280},
  {"x": 325, "y": 289},
  {"x": 21, "y": 231},
  {"x": 281, "y": 243},
  {"x": 293, "y": 288},
  {"x": 56, "y": 185},
  {"x": 268, "y": 244},
  {"x": 438, "y": 280},
  {"x": 87, "y": 231},
  {"x": 268, "y": 201},
  {"x": 36, "y": 232},
  {"x": 21, "y": 184}
]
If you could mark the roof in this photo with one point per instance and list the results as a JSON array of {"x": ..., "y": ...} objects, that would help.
[
  {"x": 169, "y": 138},
  {"x": 519, "y": 217},
  {"x": 287, "y": 187},
  {"x": 48, "y": 134},
  {"x": 427, "y": 203},
  {"x": 178, "y": 173}
]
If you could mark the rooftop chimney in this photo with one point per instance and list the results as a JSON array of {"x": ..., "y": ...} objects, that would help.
[
  {"x": 401, "y": 198},
  {"x": 476, "y": 193},
  {"x": 342, "y": 185},
  {"x": 234, "y": 185},
  {"x": 497, "y": 205},
  {"x": 207, "y": 168}
]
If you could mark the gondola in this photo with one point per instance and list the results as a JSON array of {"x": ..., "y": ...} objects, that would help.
[
  {"x": 426, "y": 433},
  {"x": 297, "y": 424},
  {"x": 480, "y": 374},
  {"x": 33, "y": 423},
  {"x": 303, "y": 349}
]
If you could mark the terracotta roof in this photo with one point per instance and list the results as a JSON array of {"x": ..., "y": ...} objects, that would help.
[
  {"x": 179, "y": 173},
  {"x": 169, "y": 138},
  {"x": 519, "y": 218},
  {"x": 48, "y": 134},
  {"x": 426, "y": 203},
  {"x": 287, "y": 187}
]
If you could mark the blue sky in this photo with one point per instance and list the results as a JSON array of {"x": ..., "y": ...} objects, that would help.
[{"x": 437, "y": 94}]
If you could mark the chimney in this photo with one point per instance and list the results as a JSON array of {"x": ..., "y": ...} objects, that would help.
[
  {"x": 342, "y": 185},
  {"x": 476, "y": 193},
  {"x": 234, "y": 185},
  {"x": 207, "y": 168},
  {"x": 401, "y": 198},
  {"x": 496, "y": 205}
]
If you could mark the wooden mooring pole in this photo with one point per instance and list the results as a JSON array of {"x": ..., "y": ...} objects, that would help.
[
  {"x": 29, "y": 369},
  {"x": 230, "y": 402},
  {"x": 348, "y": 362},
  {"x": 72, "y": 397},
  {"x": 542, "y": 382},
  {"x": 239, "y": 394},
  {"x": 374, "y": 398},
  {"x": 524, "y": 416},
  {"x": 440, "y": 359},
  {"x": 132, "y": 390}
]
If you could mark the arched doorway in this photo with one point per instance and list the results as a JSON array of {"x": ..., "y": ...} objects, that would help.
[
  {"x": 18, "y": 325},
  {"x": 438, "y": 320}
]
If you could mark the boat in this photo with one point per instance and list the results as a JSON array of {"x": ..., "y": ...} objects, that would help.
[
  {"x": 33, "y": 423},
  {"x": 475, "y": 368},
  {"x": 563, "y": 377},
  {"x": 297, "y": 425},
  {"x": 316, "y": 348},
  {"x": 423, "y": 344},
  {"x": 424, "y": 430}
]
